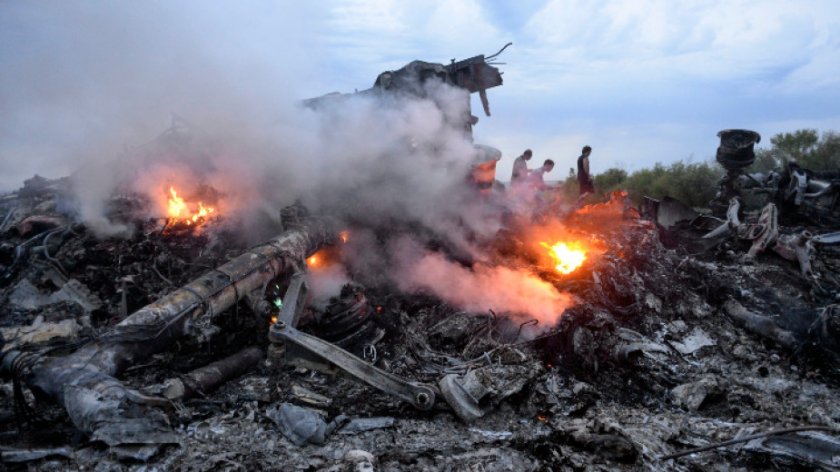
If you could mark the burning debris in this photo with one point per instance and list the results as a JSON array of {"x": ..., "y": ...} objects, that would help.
[
  {"x": 179, "y": 211},
  {"x": 567, "y": 257},
  {"x": 469, "y": 336}
]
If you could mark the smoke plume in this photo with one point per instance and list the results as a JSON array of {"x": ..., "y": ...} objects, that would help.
[
  {"x": 91, "y": 89},
  {"x": 515, "y": 292}
]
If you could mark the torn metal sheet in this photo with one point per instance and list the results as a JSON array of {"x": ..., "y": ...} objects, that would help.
[
  {"x": 472, "y": 395},
  {"x": 39, "y": 332},
  {"x": 358, "y": 425},
  {"x": 695, "y": 341},
  {"x": 11, "y": 455},
  {"x": 803, "y": 449},
  {"x": 692, "y": 395},
  {"x": 827, "y": 239},
  {"x": 302, "y": 425}
]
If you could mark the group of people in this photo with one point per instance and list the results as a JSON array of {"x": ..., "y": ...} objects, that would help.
[{"x": 522, "y": 176}]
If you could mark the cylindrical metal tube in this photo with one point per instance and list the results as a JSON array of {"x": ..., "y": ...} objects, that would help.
[
  {"x": 208, "y": 378},
  {"x": 154, "y": 327}
]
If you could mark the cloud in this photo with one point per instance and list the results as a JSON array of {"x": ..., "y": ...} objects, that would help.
[
  {"x": 643, "y": 41},
  {"x": 379, "y": 35},
  {"x": 650, "y": 79},
  {"x": 646, "y": 81}
]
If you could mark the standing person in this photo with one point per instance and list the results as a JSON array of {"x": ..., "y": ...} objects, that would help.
[
  {"x": 520, "y": 167},
  {"x": 583, "y": 176}
]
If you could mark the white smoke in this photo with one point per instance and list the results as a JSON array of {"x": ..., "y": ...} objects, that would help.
[
  {"x": 326, "y": 283},
  {"x": 112, "y": 77},
  {"x": 515, "y": 292},
  {"x": 86, "y": 88}
]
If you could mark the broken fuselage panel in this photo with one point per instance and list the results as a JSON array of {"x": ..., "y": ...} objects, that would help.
[{"x": 414, "y": 79}]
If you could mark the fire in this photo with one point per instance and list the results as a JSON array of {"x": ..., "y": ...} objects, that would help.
[
  {"x": 324, "y": 258},
  {"x": 313, "y": 260},
  {"x": 345, "y": 236},
  {"x": 609, "y": 215},
  {"x": 179, "y": 211},
  {"x": 567, "y": 257},
  {"x": 176, "y": 204},
  {"x": 203, "y": 212}
]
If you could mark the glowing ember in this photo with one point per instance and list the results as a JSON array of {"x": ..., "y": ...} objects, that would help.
[
  {"x": 344, "y": 235},
  {"x": 567, "y": 257},
  {"x": 179, "y": 211},
  {"x": 324, "y": 259}
]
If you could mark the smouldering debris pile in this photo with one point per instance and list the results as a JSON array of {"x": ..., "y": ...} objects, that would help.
[{"x": 667, "y": 341}]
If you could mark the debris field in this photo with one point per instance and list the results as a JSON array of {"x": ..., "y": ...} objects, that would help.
[{"x": 673, "y": 342}]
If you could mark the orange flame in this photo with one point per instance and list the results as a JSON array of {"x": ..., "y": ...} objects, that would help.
[
  {"x": 176, "y": 204},
  {"x": 313, "y": 260},
  {"x": 345, "y": 236},
  {"x": 203, "y": 212},
  {"x": 179, "y": 210},
  {"x": 323, "y": 259},
  {"x": 567, "y": 257}
]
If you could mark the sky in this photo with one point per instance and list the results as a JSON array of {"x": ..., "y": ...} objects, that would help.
[{"x": 641, "y": 81}]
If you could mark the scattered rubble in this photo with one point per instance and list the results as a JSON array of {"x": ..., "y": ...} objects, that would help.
[
  {"x": 685, "y": 344},
  {"x": 664, "y": 351}
]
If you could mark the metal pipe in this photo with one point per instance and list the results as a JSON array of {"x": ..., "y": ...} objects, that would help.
[
  {"x": 207, "y": 378},
  {"x": 84, "y": 381}
]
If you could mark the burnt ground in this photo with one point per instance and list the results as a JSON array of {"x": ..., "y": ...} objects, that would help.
[{"x": 647, "y": 363}]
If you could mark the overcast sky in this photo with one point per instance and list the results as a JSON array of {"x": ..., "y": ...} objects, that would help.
[{"x": 641, "y": 81}]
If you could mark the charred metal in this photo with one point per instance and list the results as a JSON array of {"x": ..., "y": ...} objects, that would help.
[{"x": 655, "y": 338}]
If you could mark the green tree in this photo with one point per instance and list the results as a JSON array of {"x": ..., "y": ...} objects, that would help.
[
  {"x": 693, "y": 183},
  {"x": 796, "y": 145},
  {"x": 805, "y": 146},
  {"x": 826, "y": 155},
  {"x": 610, "y": 179}
]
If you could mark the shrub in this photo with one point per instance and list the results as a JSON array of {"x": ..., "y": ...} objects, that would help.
[
  {"x": 805, "y": 146},
  {"x": 693, "y": 183}
]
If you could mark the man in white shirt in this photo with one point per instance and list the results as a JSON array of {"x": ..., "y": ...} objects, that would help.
[
  {"x": 535, "y": 177},
  {"x": 520, "y": 167}
]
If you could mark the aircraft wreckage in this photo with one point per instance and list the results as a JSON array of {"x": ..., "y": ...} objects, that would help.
[{"x": 684, "y": 340}]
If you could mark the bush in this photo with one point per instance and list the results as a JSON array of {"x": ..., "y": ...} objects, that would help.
[
  {"x": 610, "y": 179},
  {"x": 693, "y": 183},
  {"x": 805, "y": 146},
  {"x": 696, "y": 183}
]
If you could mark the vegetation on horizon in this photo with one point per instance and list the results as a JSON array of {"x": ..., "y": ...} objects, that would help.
[{"x": 695, "y": 183}]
